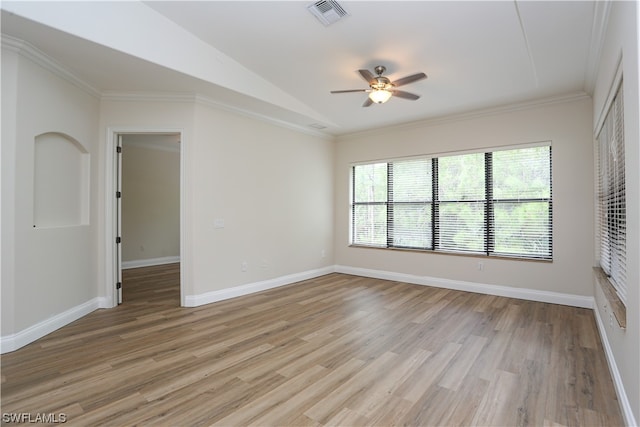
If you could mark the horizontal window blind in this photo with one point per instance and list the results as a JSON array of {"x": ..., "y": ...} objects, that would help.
[
  {"x": 410, "y": 197},
  {"x": 461, "y": 203},
  {"x": 522, "y": 209},
  {"x": 369, "y": 216},
  {"x": 611, "y": 196},
  {"x": 496, "y": 203}
]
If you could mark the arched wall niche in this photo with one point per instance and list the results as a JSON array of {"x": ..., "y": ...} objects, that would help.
[{"x": 61, "y": 181}]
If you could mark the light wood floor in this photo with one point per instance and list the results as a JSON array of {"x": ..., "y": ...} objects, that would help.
[{"x": 336, "y": 350}]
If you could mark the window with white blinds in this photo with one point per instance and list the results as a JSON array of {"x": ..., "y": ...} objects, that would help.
[
  {"x": 495, "y": 203},
  {"x": 410, "y": 206},
  {"x": 522, "y": 208},
  {"x": 461, "y": 204},
  {"x": 369, "y": 207},
  {"x": 612, "y": 225}
]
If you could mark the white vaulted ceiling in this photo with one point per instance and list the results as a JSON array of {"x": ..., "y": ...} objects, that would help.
[{"x": 275, "y": 60}]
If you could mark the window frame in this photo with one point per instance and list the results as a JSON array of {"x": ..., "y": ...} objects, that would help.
[
  {"x": 611, "y": 201},
  {"x": 488, "y": 201}
]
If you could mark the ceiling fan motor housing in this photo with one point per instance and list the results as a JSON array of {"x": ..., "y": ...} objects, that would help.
[{"x": 381, "y": 83}]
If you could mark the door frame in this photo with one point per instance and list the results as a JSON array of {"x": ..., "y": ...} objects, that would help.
[{"x": 112, "y": 269}]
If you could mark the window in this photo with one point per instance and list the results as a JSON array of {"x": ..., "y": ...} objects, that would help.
[
  {"x": 370, "y": 205},
  {"x": 494, "y": 203},
  {"x": 611, "y": 196},
  {"x": 410, "y": 211}
]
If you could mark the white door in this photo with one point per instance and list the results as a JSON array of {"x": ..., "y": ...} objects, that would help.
[{"x": 118, "y": 196}]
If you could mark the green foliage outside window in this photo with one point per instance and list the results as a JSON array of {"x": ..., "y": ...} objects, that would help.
[{"x": 495, "y": 203}]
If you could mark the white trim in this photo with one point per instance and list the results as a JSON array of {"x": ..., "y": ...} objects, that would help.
[
  {"x": 598, "y": 32},
  {"x": 26, "y": 336},
  {"x": 613, "y": 91},
  {"x": 625, "y": 405},
  {"x": 474, "y": 114},
  {"x": 150, "y": 262},
  {"x": 110, "y": 215},
  {"x": 134, "y": 96},
  {"x": 314, "y": 131},
  {"x": 212, "y": 103},
  {"x": 431, "y": 155},
  {"x": 251, "y": 288},
  {"x": 110, "y": 205},
  {"x": 481, "y": 288},
  {"x": 40, "y": 58}
]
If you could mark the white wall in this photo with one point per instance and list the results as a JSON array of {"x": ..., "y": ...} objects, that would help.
[
  {"x": 566, "y": 124},
  {"x": 272, "y": 187},
  {"x": 622, "y": 42},
  {"x": 128, "y": 115},
  {"x": 150, "y": 199},
  {"x": 9, "y": 62},
  {"x": 46, "y": 271}
]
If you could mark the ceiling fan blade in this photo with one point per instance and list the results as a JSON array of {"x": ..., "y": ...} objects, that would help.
[
  {"x": 368, "y": 102},
  {"x": 349, "y": 91},
  {"x": 405, "y": 95},
  {"x": 367, "y": 75},
  {"x": 409, "y": 79}
]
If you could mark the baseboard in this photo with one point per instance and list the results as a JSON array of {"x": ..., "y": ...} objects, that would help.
[
  {"x": 250, "y": 288},
  {"x": 625, "y": 405},
  {"x": 26, "y": 336},
  {"x": 150, "y": 262},
  {"x": 480, "y": 288}
]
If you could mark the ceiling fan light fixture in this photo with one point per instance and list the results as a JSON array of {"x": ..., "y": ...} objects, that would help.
[
  {"x": 381, "y": 88},
  {"x": 380, "y": 96}
]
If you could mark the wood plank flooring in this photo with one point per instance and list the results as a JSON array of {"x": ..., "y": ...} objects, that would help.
[{"x": 336, "y": 350}]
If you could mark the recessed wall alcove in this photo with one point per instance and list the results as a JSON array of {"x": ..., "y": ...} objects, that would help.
[{"x": 61, "y": 181}]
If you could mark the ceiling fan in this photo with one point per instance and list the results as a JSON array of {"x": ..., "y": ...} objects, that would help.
[{"x": 381, "y": 88}]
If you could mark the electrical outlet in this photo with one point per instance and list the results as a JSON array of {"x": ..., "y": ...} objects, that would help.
[
  {"x": 244, "y": 266},
  {"x": 323, "y": 253},
  {"x": 480, "y": 266}
]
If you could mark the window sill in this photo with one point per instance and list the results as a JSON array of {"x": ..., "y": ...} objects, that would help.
[
  {"x": 617, "y": 307},
  {"x": 451, "y": 253}
]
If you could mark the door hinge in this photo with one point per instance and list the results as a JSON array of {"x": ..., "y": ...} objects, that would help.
[
  {"x": 118, "y": 194},
  {"x": 118, "y": 149},
  {"x": 118, "y": 285},
  {"x": 118, "y": 239}
]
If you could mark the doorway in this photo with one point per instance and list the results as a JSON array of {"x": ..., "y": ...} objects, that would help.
[{"x": 146, "y": 209}]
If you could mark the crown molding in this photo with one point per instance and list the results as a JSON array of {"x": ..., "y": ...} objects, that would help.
[
  {"x": 209, "y": 102},
  {"x": 33, "y": 54},
  {"x": 601, "y": 11},
  {"x": 38, "y": 57},
  {"x": 194, "y": 98},
  {"x": 148, "y": 96},
  {"x": 30, "y": 52},
  {"x": 485, "y": 112}
]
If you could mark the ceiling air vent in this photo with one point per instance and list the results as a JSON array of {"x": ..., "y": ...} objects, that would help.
[{"x": 327, "y": 11}]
